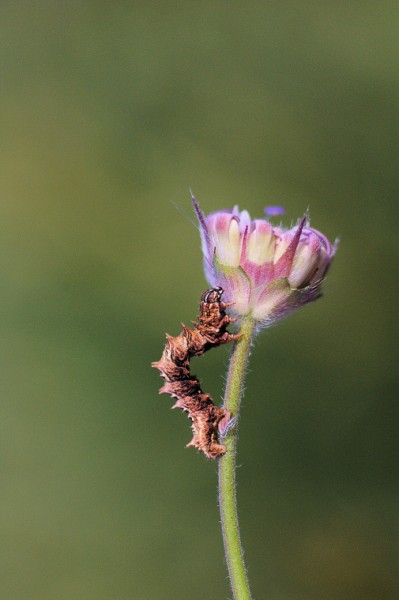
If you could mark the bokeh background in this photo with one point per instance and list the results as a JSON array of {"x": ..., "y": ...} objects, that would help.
[{"x": 110, "y": 113}]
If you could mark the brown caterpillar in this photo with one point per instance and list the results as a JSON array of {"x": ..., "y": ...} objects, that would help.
[{"x": 207, "y": 418}]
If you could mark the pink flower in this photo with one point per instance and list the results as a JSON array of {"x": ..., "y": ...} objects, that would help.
[{"x": 266, "y": 271}]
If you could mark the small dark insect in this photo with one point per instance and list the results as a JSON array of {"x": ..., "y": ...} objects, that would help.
[{"x": 207, "y": 419}]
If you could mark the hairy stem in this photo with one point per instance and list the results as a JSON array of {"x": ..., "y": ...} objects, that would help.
[{"x": 227, "y": 465}]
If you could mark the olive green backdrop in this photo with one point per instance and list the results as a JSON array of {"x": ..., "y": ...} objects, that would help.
[{"x": 110, "y": 113}]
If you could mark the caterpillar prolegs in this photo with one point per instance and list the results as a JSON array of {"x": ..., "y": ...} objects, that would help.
[{"x": 208, "y": 420}]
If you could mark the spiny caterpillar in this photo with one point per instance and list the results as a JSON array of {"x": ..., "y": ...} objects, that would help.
[{"x": 207, "y": 418}]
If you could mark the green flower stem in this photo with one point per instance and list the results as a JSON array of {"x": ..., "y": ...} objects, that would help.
[{"x": 227, "y": 465}]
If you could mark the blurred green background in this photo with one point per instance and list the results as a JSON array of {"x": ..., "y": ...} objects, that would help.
[{"x": 110, "y": 113}]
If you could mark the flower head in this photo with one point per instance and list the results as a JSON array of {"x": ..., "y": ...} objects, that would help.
[{"x": 266, "y": 271}]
